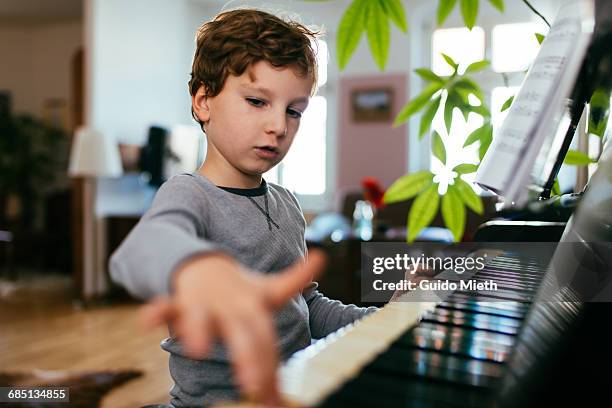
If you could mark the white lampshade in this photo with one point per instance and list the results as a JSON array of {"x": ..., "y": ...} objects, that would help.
[{"x": 94, "y": 155}]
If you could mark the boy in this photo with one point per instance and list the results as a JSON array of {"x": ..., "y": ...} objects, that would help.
[{"x": 251, "y": 80}]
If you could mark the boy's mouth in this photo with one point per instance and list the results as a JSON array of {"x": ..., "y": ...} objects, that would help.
[{"x": 267, "y": 152}]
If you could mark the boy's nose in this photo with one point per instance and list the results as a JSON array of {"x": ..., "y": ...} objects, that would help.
[{"x": 276, "y": 123}]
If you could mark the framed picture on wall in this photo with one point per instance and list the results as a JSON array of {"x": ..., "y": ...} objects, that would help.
[{"x": 372, "y": 104}]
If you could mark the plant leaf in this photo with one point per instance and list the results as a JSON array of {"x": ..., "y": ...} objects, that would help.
[
  {"x": 498, "y": 4},
  {"x": 457, "y": 101},
  {"x": 437, "y": 147},
  {"x": 453, "y": 213},
  {"x": 422, "y": 211},
  {"x": 540, "y": 37},
  {"x": 408, "y": 186},
  {"x": 350, "y": 29},
  {"x": 469, "y": 85},
  {"x": 450, "y": 61},
  {"x": 448, "y": 113},
  {"x": 428, "y": 75},
  {"x": 507, "y": 103},
  {"x": 465, "y": 168},
  {"x": 395, "y": 10},
  {"x": 468, "y": 196},
  {"x": 379, "y": 34},
  {"x": 416, "y": 104},
  {"x": 599, "y": 112},
  {"x": 469, "y": 11},
  {"x": 444, "y": 9},
  {"x": 481, "y": 110},
  {"x": 485, "y": 142},
  {"x": 577, "y": 158},
  {"x": 428, "y": 115},
  {"x": 556, "y": 189},
  {"x": 476, "y": 135},
  {"x": 477, "y": 66}
]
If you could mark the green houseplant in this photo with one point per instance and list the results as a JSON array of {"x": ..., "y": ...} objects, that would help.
[{"x": 28, "y": 152}]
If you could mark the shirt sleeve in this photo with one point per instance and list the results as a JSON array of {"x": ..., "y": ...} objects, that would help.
[
  {"x": 169, "y": 233},
  {"x": 327, "y": 315}
]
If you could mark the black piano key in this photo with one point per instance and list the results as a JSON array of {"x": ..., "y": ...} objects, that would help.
[
  {"x": 492, "y": 320},
  {"x": 497, "y": 295},
  {"x": 454, "y": 369},
  {"x": 514, "y": 273},
  {"x": 481, "y": 322},
  {"x": 488, "y": 309},
  {"x": 517, "y": 260},
  {"x": 476, "y": 344},
  {"x": 500, "y": 307},
  {"x": 509, "y": 278},
  {"x": 502, "y": 284},
  {"x": 516, "y": 278},
  {"x": 461, "y": 297}
]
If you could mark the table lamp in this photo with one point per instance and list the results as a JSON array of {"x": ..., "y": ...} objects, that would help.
[{"x": 92, "y": 156}]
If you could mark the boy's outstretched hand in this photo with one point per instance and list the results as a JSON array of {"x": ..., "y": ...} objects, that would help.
[{"x": 215, "y": 296}]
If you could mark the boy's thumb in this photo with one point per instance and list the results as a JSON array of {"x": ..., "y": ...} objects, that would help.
[
  {"x": 284, "y": 285},
  {"x": 156, "y": 312}
]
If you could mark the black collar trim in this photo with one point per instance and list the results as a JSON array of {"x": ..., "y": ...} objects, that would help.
[{"x": 248, "y": 192}]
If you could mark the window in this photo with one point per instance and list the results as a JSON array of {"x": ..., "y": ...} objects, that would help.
[
  {"x": 514, "y": 46},
  {"x": 303, "y": 170},
  {"x": 461, "y": 44}
]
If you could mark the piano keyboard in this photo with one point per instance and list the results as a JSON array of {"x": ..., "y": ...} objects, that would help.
[{"x": 427, "y": 354}]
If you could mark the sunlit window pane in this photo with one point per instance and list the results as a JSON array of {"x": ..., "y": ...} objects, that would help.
[
  {"x": 303, "y": 170},
  {"x": 461, "y": 44},
  {"x": 271, "y": 176},
  {"x": 498, "y": 97},
  {"x": 514, "y": 46}
]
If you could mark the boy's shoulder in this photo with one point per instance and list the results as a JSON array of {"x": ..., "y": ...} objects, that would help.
[
  {"x": 284, "y": 193},
  {"x": 291, "y": 201},
  {"x": 182, "y": 188}
]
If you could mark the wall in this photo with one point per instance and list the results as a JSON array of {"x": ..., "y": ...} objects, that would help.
[
  {"x": 36, "y": 62},
  {"x": 372, "y": 149},
  {"x": 139, "y": 67}
]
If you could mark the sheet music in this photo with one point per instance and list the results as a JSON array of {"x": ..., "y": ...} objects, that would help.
[{"x": 544, "y": 90}]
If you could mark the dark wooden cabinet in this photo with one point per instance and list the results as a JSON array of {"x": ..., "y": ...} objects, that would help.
[{"x": 117, "y": 228}]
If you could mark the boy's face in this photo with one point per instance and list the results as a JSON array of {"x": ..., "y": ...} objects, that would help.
[{"x": 251, "y": 123}]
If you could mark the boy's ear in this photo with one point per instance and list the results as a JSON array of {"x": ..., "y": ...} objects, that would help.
[{"x": 199, "y": 104}]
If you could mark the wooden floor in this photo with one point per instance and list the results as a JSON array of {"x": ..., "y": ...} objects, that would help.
[{"x": 40, "y": 329}]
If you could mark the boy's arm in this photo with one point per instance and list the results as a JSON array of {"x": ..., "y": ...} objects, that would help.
[
  {"x": 168, "y": 235},
  {"x": 327, "y": 315}
]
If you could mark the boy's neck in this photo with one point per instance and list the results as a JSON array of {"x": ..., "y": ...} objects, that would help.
[{"x": 234, "y": 179}]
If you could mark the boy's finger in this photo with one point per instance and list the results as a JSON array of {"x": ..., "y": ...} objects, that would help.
[
  {"x": 255, "y": 375},
  {"x": 196, "y": 332},
  {"x": 261, "y": 328},
  {"x": 283, "y": 286},
  {"x": 156, "y": 312}
]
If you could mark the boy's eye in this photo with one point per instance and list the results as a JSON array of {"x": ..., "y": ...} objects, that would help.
[
  {"x": 255, "y": 102},
  {"x": 294, "y": 113}
]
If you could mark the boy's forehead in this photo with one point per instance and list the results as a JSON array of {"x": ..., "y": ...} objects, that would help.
[
  {"x": 268, "y": 79},
  {"x": 250, "y": 86}
]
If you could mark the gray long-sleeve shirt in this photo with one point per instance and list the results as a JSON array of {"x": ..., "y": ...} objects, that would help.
[{"x": 192, "y": 216}]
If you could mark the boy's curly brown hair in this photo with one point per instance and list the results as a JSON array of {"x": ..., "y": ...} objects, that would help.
[{"x": 235, "y": 40}]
